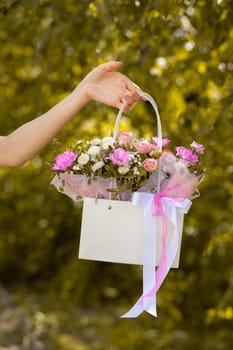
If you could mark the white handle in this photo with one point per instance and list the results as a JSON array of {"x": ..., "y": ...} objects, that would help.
[
  {"x": 154, "y": 105},
  {"x": 149, "y": 98}
]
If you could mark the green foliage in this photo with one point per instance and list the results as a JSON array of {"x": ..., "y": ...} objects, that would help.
[{"x": 181, "y": 53}]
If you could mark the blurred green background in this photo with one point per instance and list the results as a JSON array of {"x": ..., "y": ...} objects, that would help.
[{"x": 179, "y": 51}]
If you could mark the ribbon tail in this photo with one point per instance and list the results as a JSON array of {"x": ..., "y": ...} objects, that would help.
[
  {"x": 135, "y": 311},
  {"x": 150, "y": 305},
  {"x": 167, "y": 258},
  {"x": 161, "y": 270},
  {"x": 141, "y": 305},
  {"x": 147, "y": 302}
]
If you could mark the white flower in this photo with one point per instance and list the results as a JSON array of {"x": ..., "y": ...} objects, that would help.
[
  {"x": 97, "y": 166},
  {"x": 76, "y": 167},
  {"x": 95, "y": 142},
  {"x": 94, "y": 151},
  {"x": 123, "y": 170},
  {"x": 107, "y": 142},
  {"x": 79, "y": 142},
  {"x": 135, "y": 171},
  {"x": 83, "y": 159}
]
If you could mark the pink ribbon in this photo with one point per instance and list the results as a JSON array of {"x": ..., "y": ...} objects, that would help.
[{"x": 157, "y": 210}]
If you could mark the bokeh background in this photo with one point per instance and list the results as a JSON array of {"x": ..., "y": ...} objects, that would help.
[{"x": 179, "y": 51}]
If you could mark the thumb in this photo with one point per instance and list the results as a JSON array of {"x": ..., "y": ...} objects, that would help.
[{"x": 112, "y": 65}]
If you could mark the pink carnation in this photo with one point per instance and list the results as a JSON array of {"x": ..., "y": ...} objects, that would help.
[
  {"x": 198, "y": 147},
  {"x": 187, "y": 154},
  {"x": 149, "y": 164},
  {"x": 165, "y": 141},
  {"x": 143, "y": 147},
  {"x": 124, "y": 139},
  {"x": 119, "y": 157},
  {"x": 64, "y": 160}
]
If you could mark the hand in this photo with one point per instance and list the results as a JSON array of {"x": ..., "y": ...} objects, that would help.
[{"x": 112, "y": 88}]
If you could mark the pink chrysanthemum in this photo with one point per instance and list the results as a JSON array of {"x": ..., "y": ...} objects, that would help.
[
  {"x": 187, "y": 154},
  {"x": 64, "y": 160},
  {"x": 119, "y": 157},
  {"x": 165, "y": 141},
  {"x": 198, "y": 147}
]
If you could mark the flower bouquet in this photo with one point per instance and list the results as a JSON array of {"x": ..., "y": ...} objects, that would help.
[
  {"x": 115, "y": 169},
  {"x": 135, "y": 193}
]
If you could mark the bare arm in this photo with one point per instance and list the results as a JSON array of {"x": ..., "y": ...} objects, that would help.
[{"x": 102, "y": 84}]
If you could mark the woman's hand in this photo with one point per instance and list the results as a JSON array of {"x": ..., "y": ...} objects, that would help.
[
  {"x": 102, "y": 84},
  {"x": 112, "y": 88}
]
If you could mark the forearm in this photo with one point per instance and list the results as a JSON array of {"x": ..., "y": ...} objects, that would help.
[
  {"x": 28, "y": 139},
  {"x": 102, "y": 84}
]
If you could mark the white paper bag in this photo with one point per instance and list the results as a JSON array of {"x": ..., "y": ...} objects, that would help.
[{"x": 113, "y": 231}]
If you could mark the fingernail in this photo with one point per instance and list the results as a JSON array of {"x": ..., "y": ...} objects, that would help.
[{"x": 136, "y": 86}]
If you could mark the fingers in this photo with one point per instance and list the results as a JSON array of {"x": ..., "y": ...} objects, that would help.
[
  {"x": 132, "y": 86},
  {"x": 114, "y": 87},
  {"x": 125, "y": 106},
  {"x": 111, "y": 66},
  {"x": 123, "y": 80},
  {"x": 130, "y": 97},
  {"x": 135, "y": 91}
]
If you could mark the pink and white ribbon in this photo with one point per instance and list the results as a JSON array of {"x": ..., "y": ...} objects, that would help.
[{"x": 165, "y": 204}]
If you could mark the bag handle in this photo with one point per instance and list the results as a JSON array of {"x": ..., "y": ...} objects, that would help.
[{"x": 150, "y": 99}]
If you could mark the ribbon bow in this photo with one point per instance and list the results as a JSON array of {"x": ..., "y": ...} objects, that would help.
[{"x": 165, "y": 205}]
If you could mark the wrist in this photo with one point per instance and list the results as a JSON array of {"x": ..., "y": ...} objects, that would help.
[{"x": 82, "y": 93}]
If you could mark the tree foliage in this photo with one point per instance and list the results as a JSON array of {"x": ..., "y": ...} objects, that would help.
[{"x": 179, "y": 51}]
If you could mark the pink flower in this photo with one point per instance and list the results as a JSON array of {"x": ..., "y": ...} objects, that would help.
[
  {"x": 143, "y": 147},
  {"x": 198, "y": 147},
  {"x": 64, "y": 160},
  {"x": 187, "y": 154},
  {"x": 119, "y": 157},
  {"x": 165, "y": 141},
  {"x": 124, "y": 139},
  {"x": 149, "y": 164}
]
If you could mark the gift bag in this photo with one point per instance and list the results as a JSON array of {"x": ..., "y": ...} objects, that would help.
[{"x": 113, "y": 231}]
